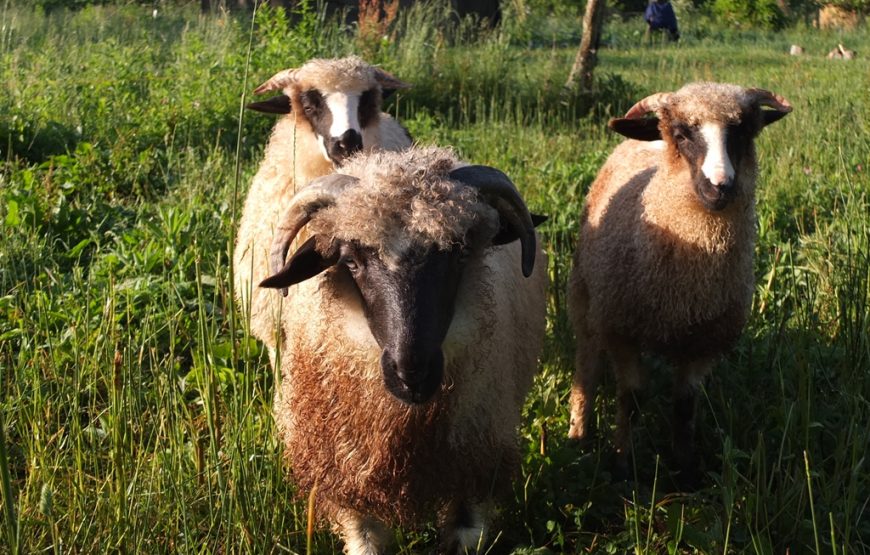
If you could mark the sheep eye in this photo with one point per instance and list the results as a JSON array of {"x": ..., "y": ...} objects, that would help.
[
  {"x": 311, "y": 101},
  {"x": 464, "y": 254},
  {"x": 351, "y": 263}
]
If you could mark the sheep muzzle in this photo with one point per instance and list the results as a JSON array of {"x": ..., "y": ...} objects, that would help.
[
  {"x": 342, "y": 147},
  {"x": 411, "y": 376}
]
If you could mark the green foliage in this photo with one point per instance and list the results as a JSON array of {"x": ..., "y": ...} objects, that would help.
[
  {"x": 754, "y": 13},
  {"x": 136, "y": 407},
  {"x": 286, "y": 38}
]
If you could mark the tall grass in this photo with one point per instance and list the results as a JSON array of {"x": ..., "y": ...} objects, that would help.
[{"x": 136, "y": 408}]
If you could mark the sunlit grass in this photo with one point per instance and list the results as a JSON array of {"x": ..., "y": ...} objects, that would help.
[{"x": 136, "y": 408}]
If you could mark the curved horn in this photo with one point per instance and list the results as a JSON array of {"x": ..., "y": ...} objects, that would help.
[
  {"x": 319, "y": 194},
  {"x": 770, "y": 99},
  {"x": 277, "y": 82},
  {"x": 649, "y": 104},
  {"x": 501, "y": 193},
  {"x": 388, "y": 81}
]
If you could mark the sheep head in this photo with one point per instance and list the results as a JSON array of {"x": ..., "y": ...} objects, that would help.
[
  {"x": 338, "y": 98},
  {"x": 404, "y": 244},
  {"x": 710, "y": 126}
]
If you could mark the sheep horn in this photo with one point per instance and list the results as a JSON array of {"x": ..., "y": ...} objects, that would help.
[
  {"x": 319, "y": 194},
  {"x": 649, "y": 104},
  {"x": 772, "y": 100},
  {"x": 495, "y": 186},
  {"x": 277, "y": 82},
  {"x": 389, "y": 83}
]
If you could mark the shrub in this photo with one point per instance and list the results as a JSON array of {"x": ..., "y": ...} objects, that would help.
[{"x": 750, "y": 13}]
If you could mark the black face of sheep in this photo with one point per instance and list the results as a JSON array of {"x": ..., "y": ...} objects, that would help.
[
  {"x": 713, "y": 150},
  {"x": 409, "y": 308},
  {"x": 337, "y": 117},
  {"x": 408, "y": 303}
]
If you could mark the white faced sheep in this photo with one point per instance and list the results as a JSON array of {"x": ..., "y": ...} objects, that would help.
[
  {"x": 333, "y": 109},
  {"x": 412, "y": 340},
  {"x": 664, "y": 261}
]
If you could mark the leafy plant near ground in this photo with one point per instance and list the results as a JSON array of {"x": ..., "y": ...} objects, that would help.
[{"x": 136, "y": 408}]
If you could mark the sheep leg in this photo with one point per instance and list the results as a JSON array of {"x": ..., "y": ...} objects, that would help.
[
  {"x": 362, "y": 535},
  {"x": 588, "y": 363},
  {"x": 685, "y": 399},
  {"x": 466, "y": 529},
  {"x": 625, "y": 359}
]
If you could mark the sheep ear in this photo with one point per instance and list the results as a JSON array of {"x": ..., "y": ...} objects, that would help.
[
  {"x": 641, "y": 129},
  {"x": 771, "y": 116},
  {"x": 305, "y": 263},
  {"x": 389, "y": 84},
  {"x": 538, "y": 219},
  {"x": 768, "y": 99},
  {"x": 276, "y": 105}
]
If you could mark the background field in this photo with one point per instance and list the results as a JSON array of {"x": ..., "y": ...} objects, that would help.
[{"x": 136, "y": 409}]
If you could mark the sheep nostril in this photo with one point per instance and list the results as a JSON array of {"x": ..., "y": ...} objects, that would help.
[
  {"x": 350, "y": 141},
  {"x": 725, "y": 185}
]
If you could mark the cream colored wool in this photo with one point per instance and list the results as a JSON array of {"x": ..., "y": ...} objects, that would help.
[{"x": 292, "y": 159}]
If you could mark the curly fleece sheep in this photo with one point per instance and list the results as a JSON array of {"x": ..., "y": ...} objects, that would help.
[
  {"x": 665, "y": 254},
  {"x": 332, "y": 110},
  {"x": 412, "y": 339}
]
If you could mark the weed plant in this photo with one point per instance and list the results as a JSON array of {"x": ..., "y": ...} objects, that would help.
[{"x": 136, "y": 407}]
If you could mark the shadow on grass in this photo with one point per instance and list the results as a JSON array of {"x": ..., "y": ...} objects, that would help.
[{"x": 776, "y": 410}]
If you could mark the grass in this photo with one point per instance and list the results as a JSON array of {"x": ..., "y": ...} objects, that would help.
[{"x": 136, "y": 409}]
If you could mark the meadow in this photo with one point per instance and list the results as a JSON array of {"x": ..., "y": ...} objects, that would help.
[{"x": 136, "y": 406}]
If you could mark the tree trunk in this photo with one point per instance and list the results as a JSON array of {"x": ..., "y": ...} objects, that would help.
[{"x": 580, "y": 78}]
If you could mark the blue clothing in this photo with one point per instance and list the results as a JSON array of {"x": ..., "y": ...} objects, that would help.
[{"x": 660, "y": 15}]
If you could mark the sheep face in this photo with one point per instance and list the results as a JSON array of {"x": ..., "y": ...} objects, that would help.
[
  {"x": 340, "y": 100},
  {"x": 338, "y": 118},
  {"x": 401, "y": 245},
  {"x": 714, "y": 153},
  {"x": 711, "y": 128},
  {"x": 408, "y": 301}
]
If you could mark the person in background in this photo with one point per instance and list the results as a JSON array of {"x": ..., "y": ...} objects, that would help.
[{"x": 660, "y": 15}]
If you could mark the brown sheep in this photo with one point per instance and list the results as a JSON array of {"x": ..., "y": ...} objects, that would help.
[{"x": 664, "y": 261}]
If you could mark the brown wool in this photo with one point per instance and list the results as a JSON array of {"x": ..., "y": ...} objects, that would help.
[{"x": 368, "y": 452}]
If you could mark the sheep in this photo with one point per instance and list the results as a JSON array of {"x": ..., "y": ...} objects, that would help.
[
  {"x": 331, "y": 110},
  {"x": 412, "y": 341},
  {"x": 664, "y": 261}
]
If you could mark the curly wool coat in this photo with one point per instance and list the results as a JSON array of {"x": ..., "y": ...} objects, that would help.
[
  {"x": 344, "y": 432},
  {"x": 653, "y": 264}
]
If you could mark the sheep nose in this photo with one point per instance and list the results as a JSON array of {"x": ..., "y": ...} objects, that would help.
[
  {"x": 345, "y": 145},
  {"x": 411, "y": 368},
  {"x": 725, "y": 185},
  {"x": 721, "y": 180},
  {"x": 414, "y": 376}
]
